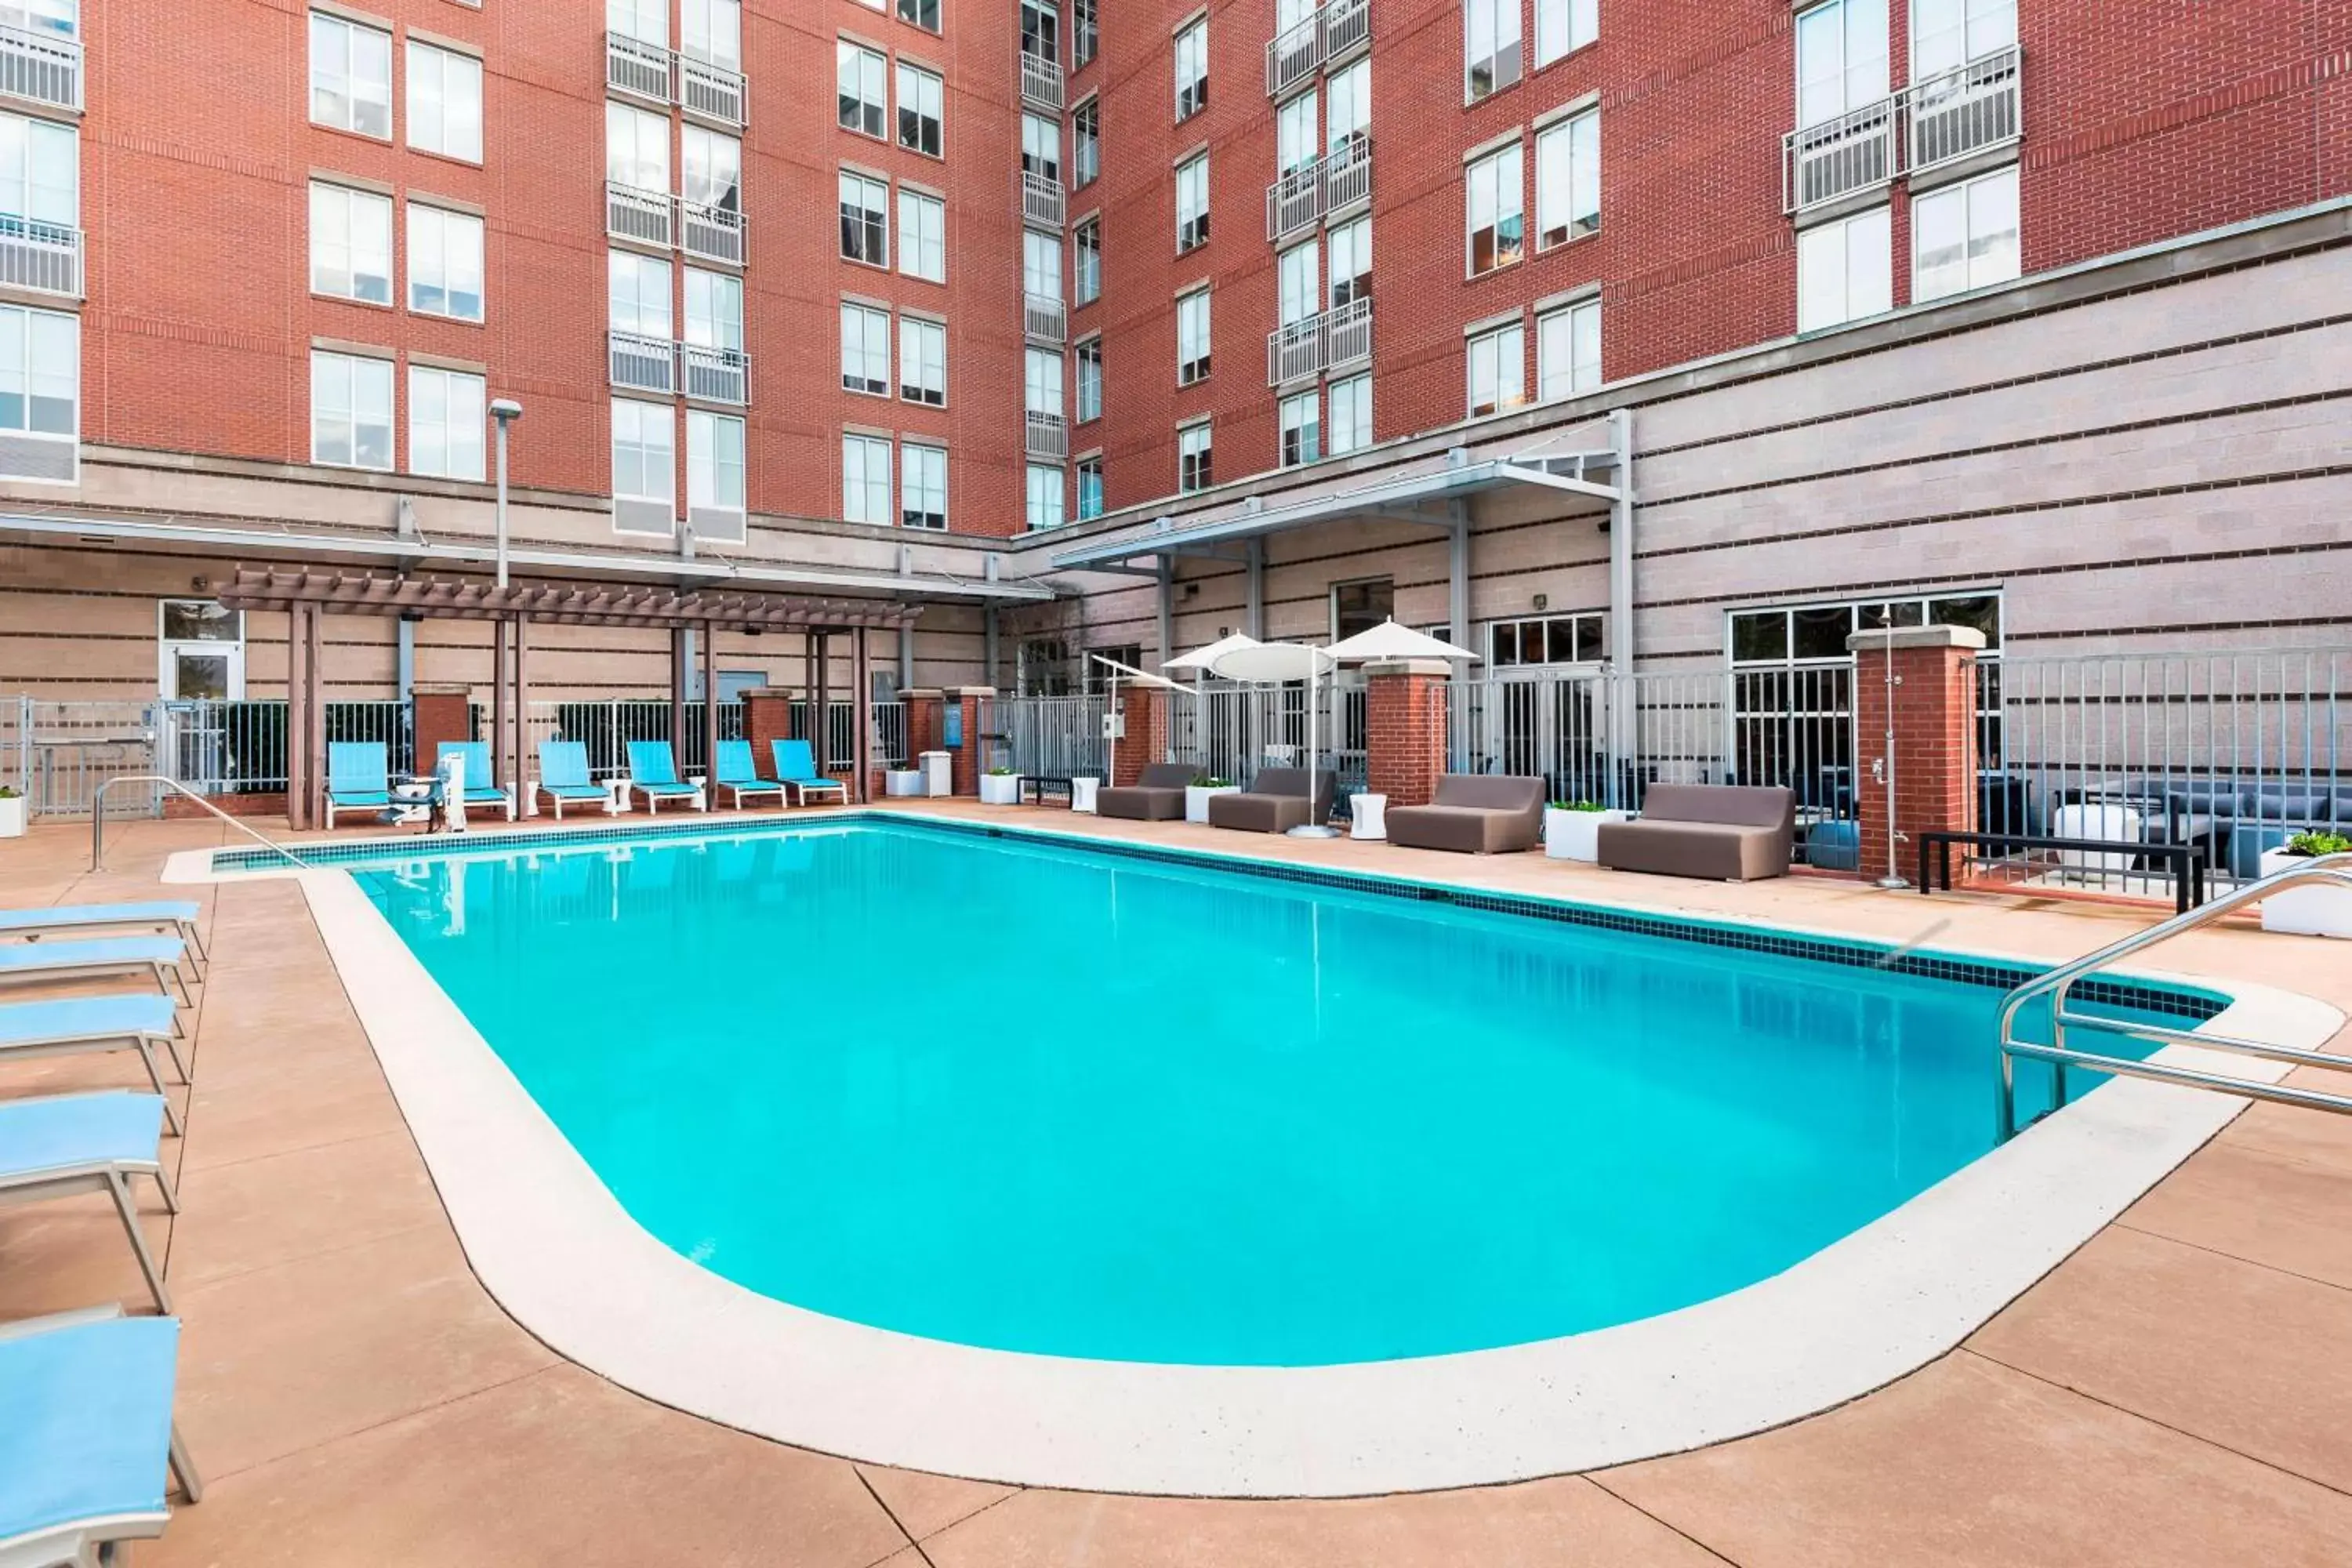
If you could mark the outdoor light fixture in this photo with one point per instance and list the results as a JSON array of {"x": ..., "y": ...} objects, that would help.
[
  {"x": 506, "y": 411},
  {"x": 1543, "y": 601}
]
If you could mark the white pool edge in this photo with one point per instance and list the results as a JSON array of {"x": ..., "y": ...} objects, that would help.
[{"x": 558, "y": 1252}]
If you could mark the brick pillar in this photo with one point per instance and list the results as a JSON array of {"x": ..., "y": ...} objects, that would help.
[
  {"x": 926, "y": 721},
  {"x": 1144, "y": 739},
  {"x": 767, "y": 718},
  {"x": 439, "y": 713},
  {"x": 972, "y": 757},
  {"x": 1404, "y": 728},
  {"x": 1935, "y": 750}
]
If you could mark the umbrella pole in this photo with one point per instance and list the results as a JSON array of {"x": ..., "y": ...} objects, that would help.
[{"x": 1312, "y": 828}]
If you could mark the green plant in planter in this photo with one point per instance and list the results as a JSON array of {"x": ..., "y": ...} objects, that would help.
[
  {"x": 1211, "y": 781},
  {"x": 1003, "y": 773},
  {"x": 1578, "y": 805},
  {"x": 2316, "y": 842},
  {"x": 7, "y": 793}
]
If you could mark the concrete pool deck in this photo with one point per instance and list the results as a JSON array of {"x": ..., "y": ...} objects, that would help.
[{"x": 2177, "y": 1390}]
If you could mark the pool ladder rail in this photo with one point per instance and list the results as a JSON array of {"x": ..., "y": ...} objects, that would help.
[
  {"x": 2332, "y": 870},
  {"x": 98, "y": 818}
]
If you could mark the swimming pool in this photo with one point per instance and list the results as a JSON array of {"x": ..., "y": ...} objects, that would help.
[{"x": 1027, "y": 1096}]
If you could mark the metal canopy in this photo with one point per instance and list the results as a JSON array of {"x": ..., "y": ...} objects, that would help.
[{"x": 560, "y": 603}]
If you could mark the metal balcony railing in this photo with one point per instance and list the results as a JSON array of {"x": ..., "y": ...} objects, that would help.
[
  {"x": 1346, "y": 24},
  {"x": 40, "y": 69},
  {"x": 634, "y": 66},
  {"x": 713, "y": 91},
  {"x": 1347, "y": 334},
  {"x": 1040, "y": 81},
  {"x": 640, "y": 363},
  {"x": 1049, "y": 434},
  {"x": 1295, "y": 201},
  {"x": 1296, "y": 53},
  {"x": 717, "y": 374},
  {"x": 646, "y": 216},
  {"x": 709, "y": 233},
  {"x": 42, "y": 256},
  {"x": 1348, "y": 174},
  {"x": 1336, "y": 339},
  {"x": 1042, "y": 199},
  {"x": 1044, "y": 316},
  {"x": 1856, "y": 151},
  {"x": 1961, "y": 112}
]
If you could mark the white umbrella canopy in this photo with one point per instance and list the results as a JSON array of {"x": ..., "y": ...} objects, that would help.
[
  {"x": 1201, "y": 659},
  {"x": 1389, "y": 640},
  {"x": 1274, "y": 661}
]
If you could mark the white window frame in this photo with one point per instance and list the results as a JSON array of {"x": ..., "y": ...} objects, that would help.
[
  {"x": 1348, "y": 262},
  {"x": 632, "y": 430},
  {"x": 1193, "y": 203},
  {"x": 1194, "y": 331},
  {"x": 861, "y": 89},
  {"x": 1564, "y": 26},
  {"x": 718, "y": 480},
  {"x": 1041, "y": 146},
  {"x": 41, "y": 170},
  {"x": 714, "y": 309},
  {"x": 46, "y": 371},
  {"x": 867, "y": 461},
  {"x": 336, "y": 85},
  {"x": 1567, "y": 350},
  {"x": 1089, "y": 357},
  {"x": 873, "y": 200},
  {"x": 712, "y": 31},
  {"x": 1196, "y": 458},
  {"x": 1347, "y": 106},
  {"x": 1494, "y": 187},
  {"x": 1846, "y": 269},
  {"x": 1495, "y": 364},
  {"x": 922, "y": 236},
  {"x": 923, "y": 361},
  {"x": 1492, "y": 48},
  {"x": 1191, "y": 54},
  {"x": 710, "y": 167},
  {"x": 1086, "y": 242},
  {"x": 1987, "y": 255},
  {"x": 922, "y": 478},
  {"x": 1299, "y": 281},
  {"x": 1040, "y": 263},
  {"x": 446, "y": 411},
  {"x": 350, "y": 231},
  {"x": 1299, "y": 424},
  {"x": 1981, "y": 27},
  {"x": 1350, "y": 396},
  {"x": 1090, "y": 487},
  {"x": 637, "y": 148},
  {"x": 1042, "y": 386},
  {"x": 1568, "y": 179},
  {"x": 1045, "y": 484},
  {"x": 638, "y": 294},
  {"x": 927, "y": 115},
  {"x": 340, "y": 386},
  {"x": 444, "y": 102},
  {"x": 864, "y": 349},
  {"x": 1298, "y": 124},
  {"x": 446, "y": 249},
  {"x": 647, "y": 21},
  {"x": 1841, "y": 59}
]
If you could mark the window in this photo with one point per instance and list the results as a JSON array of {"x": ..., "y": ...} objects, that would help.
[
  {"x": 350, "y": 77},
  {"x": 1948, "y": 34},
  {"x": 1085, "y": 142},
  {"x": 637, "y": 148},
  {"x": 1490, "y": 47},
  {"x": 1194, "y": 470},
  {"x": 1040, "y": 147},
  {"x": 647, "y": 21},
  {"x": 866, "y": 349},
  {"x": 712, "y": 174},
  {"x": 1351, "y": 262},
  {"x": 1090, "y": 488},
  {"x": 865, "y": 219},
  {"x": 1090, "y": 380},
  {"x": 46, "y": 18},
  {"x": 1087, "y": 242},
  {"x": 1546, "y": 639},
  {"x": 1041, "y": 264},
  {"x": 1497, "y": 370},
  {"x": 866, "y": 480},
  {"x": 1564, "y": 25},
  {"x": 1819, "y": 631},
  {"x": 922, "y": 360},
  {"x": 921, "y": 108},
  {"x": 1044, "y": 508},
  {"x": 922, "y": 486},
  {"x": 350, "y": 244},
  {"x": 865, "y": 92},
  {"x": 40, "y": 164},
  {"x": 1041, "y": 382},
  {"x": 1192, "y": 203},
  {"x": 922, "y": 236},
  {"x": 1567, "y": 351},
  {"x": 638, "y": 294},
  {"x": 445, "y": 410},
  {"x": 645, "y": 451},
  {"x": 1359, "y": 607},
  {"x": 1567, "y": 180},
  {"x": 1299, "y": 282},
  {"x": 445, "y": 262},
  {"x": 1347, "y": 120},
  {"x": 923, "y": 13},
  {"x": 1086, "y": 33},
  {"x": 714, "y": 467},
  {"x": 1193, "y": 337},
  {"x": 1840, "y": 59},
  {"x": 444, "y": 102},
  {"x": 40, "y": 359},
  {"x": 1296, "y": 144},
  {"x": 1492, "y": 203},
  {"x": 714, "y": 309},
  {"x": 1192, "y": 70},
  {"x": 712, "y": 30},
  {"x": 1846, "y": 270},
  {"x": 351, "y": 410},
  {"x": 1041, "y": 31},
  {"x": 1302, "y": 432},
  {"x": 1965, "y": 237},
  {"x": 1351, "y": 416}
]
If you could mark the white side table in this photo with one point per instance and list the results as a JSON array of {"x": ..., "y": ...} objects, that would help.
[
  {"x": 619, "y": 804},
  {"x": 1370, "y": 815},
  {"x": 1082, "y": 794}
]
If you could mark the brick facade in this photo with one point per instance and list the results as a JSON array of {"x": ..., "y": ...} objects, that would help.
[
  {"x": 1404, "y": 728},
  {"x": 1143, "y": 736},
  {"x": 1934, "y": 739}
]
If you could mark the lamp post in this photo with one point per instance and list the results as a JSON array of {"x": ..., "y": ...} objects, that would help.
[{"x": 506, "y": 411}]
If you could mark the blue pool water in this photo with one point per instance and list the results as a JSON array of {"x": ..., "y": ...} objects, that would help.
[{"x": 1021, "y": 1096}]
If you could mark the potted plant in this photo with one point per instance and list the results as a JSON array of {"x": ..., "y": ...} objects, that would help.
[
  {"x": 1200, "y": 790},
  {"x": 903, "y": 782},
  {"x": 999, "y": 786},
  {"x": 2308, "y": 910},
  {"x": 12, "y": 813},
  {"x": 1572, "y": 829}
]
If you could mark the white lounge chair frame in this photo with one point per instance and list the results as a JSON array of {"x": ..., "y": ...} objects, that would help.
[{"x": 111, "y": 1177}]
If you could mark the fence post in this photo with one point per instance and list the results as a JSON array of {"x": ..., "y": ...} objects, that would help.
[
  {"x": 1143, "y": 737},
  {"x": 973, "y": 703},
  {"x": 1915, "y": 719},
  {"x": 445, "y": 712},
  {"x": 1405, "y": 728},
  {"x": 767, "y": 718}
]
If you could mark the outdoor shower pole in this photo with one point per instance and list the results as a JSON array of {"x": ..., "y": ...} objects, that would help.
[
  {"x": 506, "y": 411},
  {"x": 1894, "y": 878}
]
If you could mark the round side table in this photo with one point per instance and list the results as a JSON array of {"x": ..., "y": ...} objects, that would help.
[
  {"x": 1082, "y": 794},
  {"x": 1369, "y": 815}
]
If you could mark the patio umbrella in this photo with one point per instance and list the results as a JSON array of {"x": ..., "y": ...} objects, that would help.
[
  {"x": 1205, "y": 658},
  {"x": 1133, "y": 677},
  {"x": 1275, "y": 662},
  {"x": 1389, "y": 640}
]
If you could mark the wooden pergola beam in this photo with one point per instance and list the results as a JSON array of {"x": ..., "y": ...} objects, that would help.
[{"x": 562, "y": 604}]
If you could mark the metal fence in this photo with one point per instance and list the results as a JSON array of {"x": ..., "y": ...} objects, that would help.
[
  {"x": 239, "y": 748},
  {"x": 1046, "y": 737},
  {"x": 58, "y": 754},
  {"x": 606, "y": 726},
  {"x": 1232, "y": 731}
]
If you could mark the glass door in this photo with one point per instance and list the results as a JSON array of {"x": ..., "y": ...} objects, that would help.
[{"x": 201, "y": 652}]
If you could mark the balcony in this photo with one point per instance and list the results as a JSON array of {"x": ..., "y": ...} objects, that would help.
[
  {"x": 646, "y": 216},
  {"x": 1041, "y": 82},
  {"x": 1314, "y": 191},
  {"x": 641, "y": 363},
  {"x": 1348, "y": 174},
  {"x": 1330, "y": 34},
  {"x": 637, "y": 68},
  {"x": 1049, "y": 435},
  {"x": 1336, "y": 339},
  {"x": 712, "y": 91},
  {"x": 1856, "y": 151},
  {"x": 43, "y": 257},
  {"x": 1962, "y": 112},
  {"x": 1042, "y": 200},
  {"x": 1348, "y": 335},
  {"x": 1044, "y": 317},
  {"x": 718, "y": 374},
  {"x": 710, "y": 234},
  {"x": 40, "y": 69}
]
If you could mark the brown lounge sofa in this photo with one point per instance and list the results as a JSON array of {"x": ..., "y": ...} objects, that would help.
[
  {"x": 1275, "y": 803},
  {"x": 1477, "y": 814},
  {"x": 1734, "y": 833},
  {"x": 1157, "y": 797}
]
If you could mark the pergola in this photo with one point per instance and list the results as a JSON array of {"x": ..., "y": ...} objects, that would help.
[{"x": 308, "y": 596}]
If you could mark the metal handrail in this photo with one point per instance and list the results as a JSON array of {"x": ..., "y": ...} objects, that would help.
[
  {"x": 2335, "y": 871},
  {"x": 97, "y": 819}
]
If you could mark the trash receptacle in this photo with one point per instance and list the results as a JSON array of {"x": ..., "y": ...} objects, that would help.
[{"x": 939, "y": 772}]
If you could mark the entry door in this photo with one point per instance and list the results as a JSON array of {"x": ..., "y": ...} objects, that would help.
[{"x": 201, "y": 654}]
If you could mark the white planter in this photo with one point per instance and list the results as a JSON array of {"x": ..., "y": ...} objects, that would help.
[
  {"x": 1367, "y": 816},
  {"x": 2096, "y": 819},
  {"x": 903, "y": 782},
  {"x": 2305, "y": 912},
  {"x": 1083, "y": 791},
  {"x": 1576, "y": 835},
  {"x": 1197, "y": 798},
  {"x": 1000, "y": 789},
  {"x": 12, "y": 817}
]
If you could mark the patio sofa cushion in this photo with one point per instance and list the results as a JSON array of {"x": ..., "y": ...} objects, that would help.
[
  {"x": 1276, "y": 802},
  {"x": 1157, "y": 797},
  {"x": 1728, "y": 832},
  {"x": 1475, "y": 814}
]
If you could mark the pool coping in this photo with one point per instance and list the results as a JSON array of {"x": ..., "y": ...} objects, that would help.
[{"x": 556, "y": 1250}]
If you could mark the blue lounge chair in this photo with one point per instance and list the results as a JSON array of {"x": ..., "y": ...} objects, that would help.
[
  {"x": 63, "y": 1145},
  {"x": 481, "y": 788},
  {"x": 177, "y": 917},
  {"x": 653, "y": 772},
  {"x": 739, "y": 777},
  {"x": 358, "y": 778},
  {"x": 158, "y": 956},
  {"x": 796, "y": 771},
  {"x": 563, "y": 777},
  {"x": 88, "y": 1441},
  {"x": 98, "y": 1024}
]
